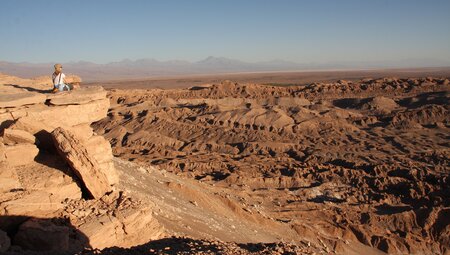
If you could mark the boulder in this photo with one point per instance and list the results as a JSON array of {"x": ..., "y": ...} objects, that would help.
[
  {"x": 101, "y": 150},
  {"x": 5, "y": 242},
  {"x": 19, "y": 154},
  {"x": 42, "y": 235},
  {"x": 83, "y": 164},
  {"x": 12, "y": 136}
]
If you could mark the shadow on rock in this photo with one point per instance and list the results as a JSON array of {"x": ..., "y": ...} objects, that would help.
[
  {"x": 31, "y": 89},
  {"x": 30, "y": 235},
  {"x": 172, "y": 245},
  {"x": 179, "y": 245}
]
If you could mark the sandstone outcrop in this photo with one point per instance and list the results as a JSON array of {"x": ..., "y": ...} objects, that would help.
[
  {"x": 84, "y": 165},
  {"x": 37, "y": 112},
  {"x": 40, "y": 189}
]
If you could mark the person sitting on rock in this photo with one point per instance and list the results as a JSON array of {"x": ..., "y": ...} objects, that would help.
[{"x": 59, "y": 80}]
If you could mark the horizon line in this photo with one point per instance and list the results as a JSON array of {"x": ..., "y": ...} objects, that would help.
[{"x": 235, "y": 59}]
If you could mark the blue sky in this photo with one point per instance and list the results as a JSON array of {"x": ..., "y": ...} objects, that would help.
[{"x": 320, "y": 31}]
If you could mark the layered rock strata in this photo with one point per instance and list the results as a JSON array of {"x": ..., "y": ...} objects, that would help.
[{"x": 43, "y": 193}]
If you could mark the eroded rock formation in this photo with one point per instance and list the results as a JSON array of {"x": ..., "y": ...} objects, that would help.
[
  {"x": 43, "y": 194},
  {"x": 361, "y": 162},
  {"x": 347, "y": 167}
]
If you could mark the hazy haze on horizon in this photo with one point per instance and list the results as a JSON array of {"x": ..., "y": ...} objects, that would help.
[{"x": 299, "y": 31}]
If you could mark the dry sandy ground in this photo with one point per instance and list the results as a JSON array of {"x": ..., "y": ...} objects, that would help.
[
  {"x": 346, "y": 167},
  {"x": 273, "y": 78}
]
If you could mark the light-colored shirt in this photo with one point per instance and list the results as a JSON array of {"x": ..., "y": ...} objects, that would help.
[{"x": 58, "y": 79}]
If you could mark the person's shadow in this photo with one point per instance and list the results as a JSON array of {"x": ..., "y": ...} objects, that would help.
[
  {"x": 31, "y": 89},
  {"x": 47, "y": 235}
]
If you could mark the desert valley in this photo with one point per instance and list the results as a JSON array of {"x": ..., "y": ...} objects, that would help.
[{"x": 319, "y": 165}]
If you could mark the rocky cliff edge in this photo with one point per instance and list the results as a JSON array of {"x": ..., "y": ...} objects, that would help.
[{"x": 57, "y": 177}]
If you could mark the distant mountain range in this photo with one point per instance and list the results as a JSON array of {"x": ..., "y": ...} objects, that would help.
[{"x": 143, "y": 68}]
